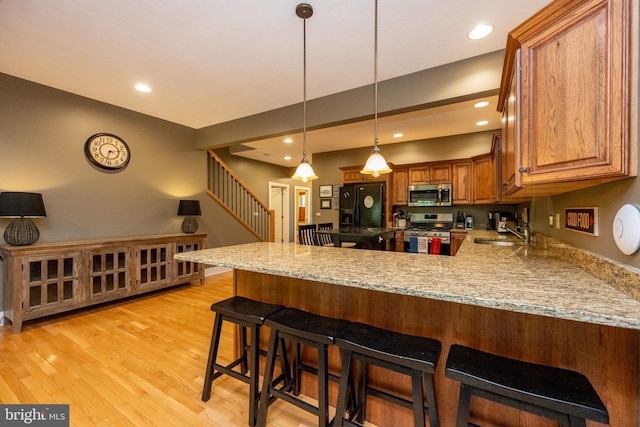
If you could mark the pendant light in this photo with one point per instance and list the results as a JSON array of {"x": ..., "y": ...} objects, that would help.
[
  {"x": 304, "y": 172},
  {"x": 376, "y": 164}
]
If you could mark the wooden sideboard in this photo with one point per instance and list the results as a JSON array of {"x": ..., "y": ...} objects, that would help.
[{"x": 50, "y": 278}]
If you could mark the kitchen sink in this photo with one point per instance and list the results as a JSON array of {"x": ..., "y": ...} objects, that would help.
[{"x": 494, "y": 242}]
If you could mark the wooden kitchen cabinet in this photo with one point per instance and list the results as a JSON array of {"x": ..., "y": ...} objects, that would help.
[
  {"x": 352, "y": 175},
  {"x": 484, "y": 179},
  {"x": 457, "y": 238},
  {"x": 399, "y": 187},
  {"x": 419, "y": 175},
  {"x": 435, "y": 173},
  {"x": 462, "y": 184},
  {"x": 569, "y": 106},
  {"x": 50, "y": 278},
  {"x": 510, "y": 143}
]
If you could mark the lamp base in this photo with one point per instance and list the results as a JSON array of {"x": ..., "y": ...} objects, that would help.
[
  {"x": 189, "y": 225},
  {"x": 21, "y": 232}
]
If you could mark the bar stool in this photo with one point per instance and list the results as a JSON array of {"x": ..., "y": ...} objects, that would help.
[
  {"x": 300, "y": 328},
  {"x": 248, "y": 314},
  {"x": 559, "y": 394},
  {"x": 410, "y": 355}
]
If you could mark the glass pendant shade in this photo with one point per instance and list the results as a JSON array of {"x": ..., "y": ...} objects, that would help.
[
  {"x": 305, "y": 171},
  {"x": 376, "y": 164}
]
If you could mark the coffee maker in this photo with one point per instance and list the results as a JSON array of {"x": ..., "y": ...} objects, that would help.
[
  {"x": 460, "y": 220},
  {"x": 491, "y": 225},
  {"x": 494, "y": 220},
  {"x": 468, "y": 224}
]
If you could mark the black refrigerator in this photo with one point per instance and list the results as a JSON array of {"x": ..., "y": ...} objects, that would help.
[{"x": 362, "y": 205}]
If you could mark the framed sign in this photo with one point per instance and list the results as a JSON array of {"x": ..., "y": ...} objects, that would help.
[
  {"x": 583, "y": 220},
  {"x": 325, "y": 203},
  {"x": 326, "y": 191}
]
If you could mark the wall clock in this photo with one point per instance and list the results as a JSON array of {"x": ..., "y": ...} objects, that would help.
[{"x": 107, "y": 151}]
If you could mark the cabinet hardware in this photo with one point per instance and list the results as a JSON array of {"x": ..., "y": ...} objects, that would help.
[{"x": 523, "y": 169}]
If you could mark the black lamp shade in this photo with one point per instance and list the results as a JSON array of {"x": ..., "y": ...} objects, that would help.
[
  {"x": 18, "y": 204},
  {"x": 189, "y": 208}
]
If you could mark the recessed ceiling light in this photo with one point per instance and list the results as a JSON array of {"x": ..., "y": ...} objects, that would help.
[
  {"x": 398, "y": 135},
  {"x": 287, "y": 157},
  {"x": 482, "y": 122},
  {"x": 481, "y": 31},
  {"x": 288, "y": 140},
  {"x": 142, "y": 87},
  {"x": 481, "y": 104}
]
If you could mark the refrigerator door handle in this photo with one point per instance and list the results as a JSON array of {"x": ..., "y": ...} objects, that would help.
[{"x": 356, "y": 213}]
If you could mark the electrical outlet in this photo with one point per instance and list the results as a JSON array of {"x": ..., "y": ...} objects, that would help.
[{"x": 558, "y": 221}]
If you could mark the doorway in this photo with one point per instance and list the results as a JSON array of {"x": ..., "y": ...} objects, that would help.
[
  {"x": 279, "y": 204},
  {"x": 303, "y": 205}
]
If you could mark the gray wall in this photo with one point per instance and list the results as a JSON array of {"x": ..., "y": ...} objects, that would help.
[
  {"x": 608, "y": 198},
  {"x": 43, "y": 131}
]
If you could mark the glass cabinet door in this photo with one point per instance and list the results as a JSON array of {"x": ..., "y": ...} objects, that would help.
[
  {"x": 52, "y": 282},
  {"x": 109, "y": 272}
]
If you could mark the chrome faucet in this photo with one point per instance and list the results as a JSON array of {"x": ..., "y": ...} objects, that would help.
[{"x": 524, "y": 236}]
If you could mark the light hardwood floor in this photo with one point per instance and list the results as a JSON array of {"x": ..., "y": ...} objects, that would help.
[{"x": 139, "y": 362}]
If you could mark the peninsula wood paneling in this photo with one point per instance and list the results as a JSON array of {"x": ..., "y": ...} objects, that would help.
[{"x": 608, "y": 356}]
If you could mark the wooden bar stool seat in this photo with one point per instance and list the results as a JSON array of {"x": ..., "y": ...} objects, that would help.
[
  {"x": 249, "y": 315},
  {"x": 559, "y": 394},
  {"x": 300, "y": 328},
  {"x": 410, "y": 355}
]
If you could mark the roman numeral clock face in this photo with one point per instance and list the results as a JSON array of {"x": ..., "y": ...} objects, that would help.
[{"x": 107, "y": 151}]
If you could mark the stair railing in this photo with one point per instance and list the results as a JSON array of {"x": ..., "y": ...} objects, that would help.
[{"x": 235, "y": 197}]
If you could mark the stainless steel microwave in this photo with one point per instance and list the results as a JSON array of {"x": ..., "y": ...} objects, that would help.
[{"x": 430, "y": 195}]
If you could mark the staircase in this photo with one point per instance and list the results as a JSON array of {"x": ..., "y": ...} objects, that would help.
[{"x": 230, "y": 192}]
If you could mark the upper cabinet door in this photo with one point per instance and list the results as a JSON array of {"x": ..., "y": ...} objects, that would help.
[
  {"x": 440, "y": 174},
  {"x": 462, "y": 183},
  {"x": 400, "y": 188},
  {"x": 419, "y": 175},
  {"x": 578, "y": 95}
]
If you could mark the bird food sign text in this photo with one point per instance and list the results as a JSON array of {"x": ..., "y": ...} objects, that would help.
[{"x": 584, "y": 220}]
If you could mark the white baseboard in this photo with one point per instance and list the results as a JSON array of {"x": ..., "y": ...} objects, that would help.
[{"x": 211, "y": 271}]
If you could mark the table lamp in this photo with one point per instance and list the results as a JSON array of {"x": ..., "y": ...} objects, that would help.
[
  {"x": 21, "y": 231},
  {"x": 189, "y": 209}
]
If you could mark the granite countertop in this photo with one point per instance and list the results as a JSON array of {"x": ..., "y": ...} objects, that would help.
[{"x": 520, "y": 278}]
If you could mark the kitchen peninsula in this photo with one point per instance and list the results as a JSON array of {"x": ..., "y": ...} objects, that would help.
[{"x": 519, "y": 301}]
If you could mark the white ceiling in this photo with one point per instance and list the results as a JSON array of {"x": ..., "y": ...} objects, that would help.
[{"x": 211, "y": 61}]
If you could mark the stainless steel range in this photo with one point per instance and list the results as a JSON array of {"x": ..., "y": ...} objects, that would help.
[{"x": 431, "y": 225}]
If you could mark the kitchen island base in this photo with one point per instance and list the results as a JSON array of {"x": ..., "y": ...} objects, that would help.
[{"x": 606, "y": 355}]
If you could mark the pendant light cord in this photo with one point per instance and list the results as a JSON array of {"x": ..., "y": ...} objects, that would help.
[
  {"x": 375, "y": 76},
  {"x": 304, "y": 89}
]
